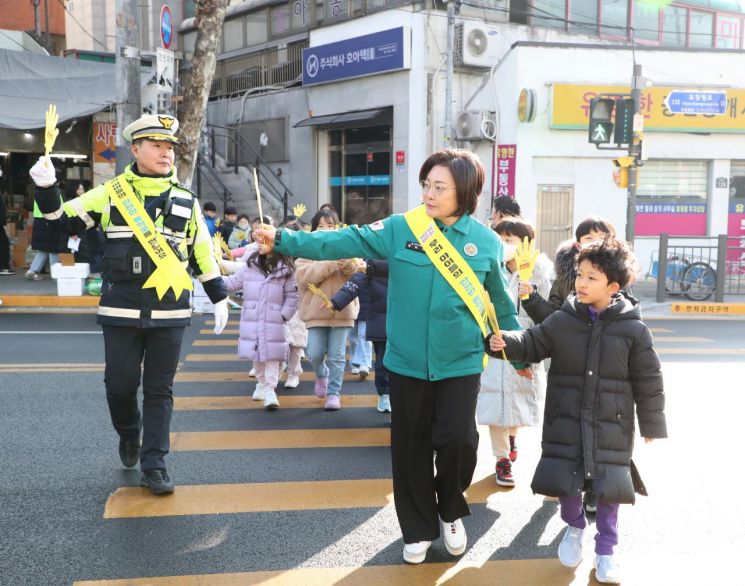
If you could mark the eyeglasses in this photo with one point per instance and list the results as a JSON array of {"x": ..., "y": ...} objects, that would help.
[{"x": 438, "y": 190}]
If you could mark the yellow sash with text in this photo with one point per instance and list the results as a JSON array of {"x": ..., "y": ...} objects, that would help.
[
  {"x": 454, "y": 269},
  {"x": 170, "y": 272}
]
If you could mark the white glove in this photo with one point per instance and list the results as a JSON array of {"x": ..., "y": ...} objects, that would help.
[
  {"x": 43, "y": 172},
  {"x": 221, "y": 316}
]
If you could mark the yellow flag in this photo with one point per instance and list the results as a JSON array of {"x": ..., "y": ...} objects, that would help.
[
  {"x": 525, "y": 258},
  {"x": 50, "y": 131}
]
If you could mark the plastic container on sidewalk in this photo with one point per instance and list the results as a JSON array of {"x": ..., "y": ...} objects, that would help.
[
  {"x": 199, "y": 300},
  {"x": 69, "y": 287},
  {"x": 79, "y": 270}
]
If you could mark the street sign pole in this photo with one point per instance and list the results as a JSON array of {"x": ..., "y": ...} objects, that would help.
[
  {"x": 637, "y": 81},
  {"x": 127, "y": 72}
]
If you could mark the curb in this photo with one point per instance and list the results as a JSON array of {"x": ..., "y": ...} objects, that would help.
[{"x": 49, "y": 301}]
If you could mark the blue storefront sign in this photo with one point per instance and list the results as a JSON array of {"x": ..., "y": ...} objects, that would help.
[
  {"x": 695, "y": 102},
  {"x": 366, "y": 55},
  {"x": 360, "y": 180}
]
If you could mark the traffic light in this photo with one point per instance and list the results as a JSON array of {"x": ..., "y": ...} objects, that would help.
[
  {"x": 621, "y": 170},
  {"x": 624, "y": 132},
  {"x": 601, "y": 120}
]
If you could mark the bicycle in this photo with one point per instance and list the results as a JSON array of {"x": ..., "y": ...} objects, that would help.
[{"x": 694, "y": 280}]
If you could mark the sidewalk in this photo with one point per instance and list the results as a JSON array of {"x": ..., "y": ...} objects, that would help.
[{"x": 16, "y": 291}]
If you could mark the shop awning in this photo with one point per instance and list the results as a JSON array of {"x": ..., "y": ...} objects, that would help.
[
  {"x": 31, "y": 82},
  {"x": 350, "y": 119}
]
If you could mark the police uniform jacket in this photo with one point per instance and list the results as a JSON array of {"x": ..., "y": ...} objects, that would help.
[
  {"x": 126, "y": 266},
  {"x": 431, "y": 333}
]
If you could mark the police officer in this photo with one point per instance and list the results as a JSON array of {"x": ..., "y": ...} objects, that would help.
[
  {"x": 142, "y": 325},
  {"x": 435, "y": 346}
]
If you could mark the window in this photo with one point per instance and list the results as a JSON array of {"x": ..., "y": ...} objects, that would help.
[
  {"x": 233, "y": 35},
  {"x": 280, "y": 20},
  {"x": 301, "y": 15},
  {"x": 646, "y": 21},
  {"x": 583, "y": 16},
  {"x": 615, "y": 18},
  {"x": 256, "y": 28},
  {"x": 188, "y": 41},
  {"x": 728, "y": 32},
  {"x": 551, "y": 13},
  {"x": 672, "y": 198},
  {"x": 674, "y": 25},
  {"x": 702, "y": 29}
]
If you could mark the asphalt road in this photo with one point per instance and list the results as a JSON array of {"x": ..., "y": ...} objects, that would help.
[{"x": 259, "y": 500}]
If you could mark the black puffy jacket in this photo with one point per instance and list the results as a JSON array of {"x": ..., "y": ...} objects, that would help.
[
  {"x": 600, "y": 374},
  {"x": 372, "y": 290}
]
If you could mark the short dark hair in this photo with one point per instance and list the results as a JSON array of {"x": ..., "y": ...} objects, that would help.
[
  {"x": 327, "y": 206},
  {"x": 265, "y": 220},
  {"x": 323, "y": 214},
  {"x": 612, "y": 257},
  {"x": 594, "y": 224},
  {"x": 242, "y": 216},
  {"x": 515, "y": 227},
  {"x": 468, "y": 174},
  {"x": 209, "y": 207},
  {"x": 507, "y": 206},
  {"x": 230, "y": 211}
]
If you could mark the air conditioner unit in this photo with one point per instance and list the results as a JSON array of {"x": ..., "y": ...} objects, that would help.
[
  {"x": 476, "y": 125},
  {"x": 476, "y": 45}
]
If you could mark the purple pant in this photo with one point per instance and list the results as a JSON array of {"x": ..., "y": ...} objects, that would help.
[{"x": 606, "y": 521}]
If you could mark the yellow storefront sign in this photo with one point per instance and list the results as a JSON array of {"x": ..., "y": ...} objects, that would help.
[
  {"x": 709, "y": 308},
  {"x": 570, "y": 104}
]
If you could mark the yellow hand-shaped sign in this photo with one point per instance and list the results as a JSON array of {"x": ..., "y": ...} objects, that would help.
[
  {"x": 299, "y": 210},
  {"x": 51, "y": 131},
  {"x": 525, "y": 258}
]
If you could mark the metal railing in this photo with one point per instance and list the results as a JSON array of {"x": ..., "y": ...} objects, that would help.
[
  {"x": 206, "y": 172},
  {"x": 232, "y": 146},
  {"x": 278, "y": 66},
  {"x": 698, "y": 267}
]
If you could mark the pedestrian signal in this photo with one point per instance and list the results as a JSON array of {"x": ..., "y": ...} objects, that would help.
[
  {"x": 601, "y": 120},
  {"x": 624, "y": 132}
]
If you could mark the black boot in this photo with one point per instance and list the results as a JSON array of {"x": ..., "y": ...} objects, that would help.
[
  {"x": 129, "y": 452},
  {"x": 158, "y": 481}
]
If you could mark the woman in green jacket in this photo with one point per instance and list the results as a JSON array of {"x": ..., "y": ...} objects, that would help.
[{"x": 435, "y": 346}]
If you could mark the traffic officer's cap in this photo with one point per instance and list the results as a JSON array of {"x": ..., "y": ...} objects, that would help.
[{"x": 153, "y": 127}]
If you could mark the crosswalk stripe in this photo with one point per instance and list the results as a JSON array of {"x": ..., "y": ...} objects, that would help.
[
  {"x": 217, "y": 499},
  {"x": 660, "y": 331},
  {"x": 242, "y": 376},
  {"x": 688, "y": 339},
  {"x": 216, "y": 342},
  {"x": 231, "y": 322},
  {"x": 203, "y": 441},
  {"x": 225, "y": 332},
  {"x": 286, "y": 402},
  {"x": 528, "y": 572},
  {"x": 708, "y": 351}
]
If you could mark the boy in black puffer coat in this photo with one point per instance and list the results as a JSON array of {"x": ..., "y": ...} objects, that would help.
[{"x": 603, "y": 369}]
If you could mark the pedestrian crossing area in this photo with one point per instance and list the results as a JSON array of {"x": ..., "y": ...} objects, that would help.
[{"x": 214, "y": 417}]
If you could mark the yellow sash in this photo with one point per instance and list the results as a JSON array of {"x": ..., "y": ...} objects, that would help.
[
  {"x": 454, "y": 269},
  {"x": 170, "y": 272}
]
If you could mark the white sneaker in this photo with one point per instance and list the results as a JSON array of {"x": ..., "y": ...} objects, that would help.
[
  {"x": 364, "y": 372},
  {"x": 252, "y": 373},
  {"x": 355, "y": 370},
  {"x": 454, "y": 535},
  {"x": 414, "y": 553},
  {"x": 270, "y": 400},
  {"x": 570, "y": 548},
  {"x": 292, "y": 381},
  {"x": 607, "y": 570},
  {"x": 258, "y": 393},
  {"x": 282, "y": 367}
]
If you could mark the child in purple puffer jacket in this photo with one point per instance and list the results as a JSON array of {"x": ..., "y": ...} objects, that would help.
[{"x": 269, "y": 301}]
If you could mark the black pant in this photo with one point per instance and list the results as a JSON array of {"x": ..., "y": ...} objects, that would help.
[
  {"x": 125, "y": 349},
  {"x": 429, "y": 416},
  {"x": 381, "y": 372},
  {"x": 4, "y": 249}
]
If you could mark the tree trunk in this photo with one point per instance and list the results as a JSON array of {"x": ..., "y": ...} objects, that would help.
[{"x": 210, "y": 15}]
